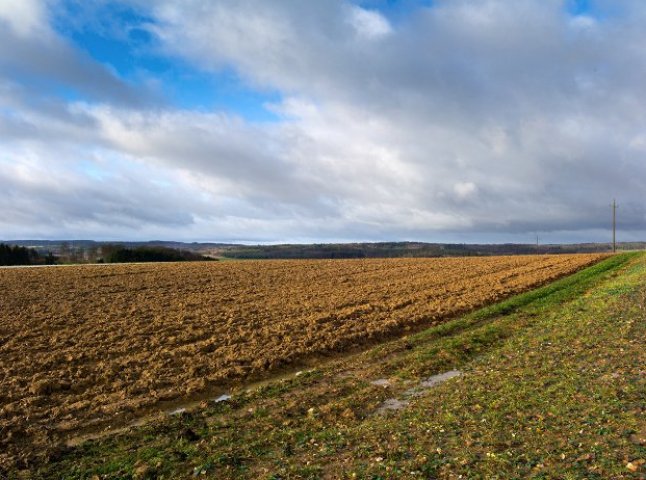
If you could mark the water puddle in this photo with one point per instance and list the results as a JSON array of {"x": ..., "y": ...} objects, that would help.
[
  {"x": 392, "y": 404},
  {"x": 433, "y": 380},
  {"x": 416, "y": 391},
  {"x": 382, "y": 382},
  {"x": 179, "y": 410}
]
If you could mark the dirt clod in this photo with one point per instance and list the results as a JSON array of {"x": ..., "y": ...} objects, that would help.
[{"x": 189, "y": 435}]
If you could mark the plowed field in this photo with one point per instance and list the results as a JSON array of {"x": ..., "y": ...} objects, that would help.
[{"x": 81, "y": 347}]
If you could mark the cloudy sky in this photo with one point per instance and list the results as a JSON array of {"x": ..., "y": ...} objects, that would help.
[{"x": 301, "y": 121}]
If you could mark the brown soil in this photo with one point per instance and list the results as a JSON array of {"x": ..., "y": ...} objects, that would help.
[{"x": 85, "y": 346}]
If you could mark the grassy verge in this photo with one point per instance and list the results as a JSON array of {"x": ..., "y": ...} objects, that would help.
[{"x": 552, "y": 388}]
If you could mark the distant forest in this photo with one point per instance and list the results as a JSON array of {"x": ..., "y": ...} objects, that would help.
[
  {"x": 16, "y": 255},
  {"x": 66, "y": 253},
  {"x": 119, "y": 254},
  {"x": 403, "y": 249},
  {"x": 89, "y": 251}
]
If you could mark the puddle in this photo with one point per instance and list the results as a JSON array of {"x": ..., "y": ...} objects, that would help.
[
  {"x": 184, "y": 408},
  {"x": 416, "y": 391},
  {"x": 431, "y": 381},
  {"x": 392, "y": 404},
  {"x": 382, "y": 382}
]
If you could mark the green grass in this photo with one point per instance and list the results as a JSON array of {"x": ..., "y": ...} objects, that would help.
[{"x": 552, "y": 388}]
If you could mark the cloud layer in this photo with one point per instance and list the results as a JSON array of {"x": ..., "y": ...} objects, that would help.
[{"x": 459, "y": 121}]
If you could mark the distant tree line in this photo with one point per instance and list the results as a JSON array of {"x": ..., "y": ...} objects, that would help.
[
  {"x": 87, "y": 251},
  {"x": 107, "y": 253},
  {"x": 121, "y": 254},
  {"x": 16, "y": 255},
  {"x": 398, "y": 249},
  {"x": 350, "y": 250}
]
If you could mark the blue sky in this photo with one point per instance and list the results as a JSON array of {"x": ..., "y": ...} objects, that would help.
[
  {"x": 579, "y": 7},
  {"x": 275, "y": 121},
  {"x": 118, "y": 36}
]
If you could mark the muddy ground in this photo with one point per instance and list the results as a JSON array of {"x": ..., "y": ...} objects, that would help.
[{"x": 85, "y": 347}]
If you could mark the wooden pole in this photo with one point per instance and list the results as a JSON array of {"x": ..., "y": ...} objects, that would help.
[{"x": 614, "y": 226}]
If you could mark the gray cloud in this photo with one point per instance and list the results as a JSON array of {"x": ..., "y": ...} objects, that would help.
[{"x": 467, "y": 120}]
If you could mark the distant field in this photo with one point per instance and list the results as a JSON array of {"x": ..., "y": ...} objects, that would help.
[{"x": 81, "y": 347}]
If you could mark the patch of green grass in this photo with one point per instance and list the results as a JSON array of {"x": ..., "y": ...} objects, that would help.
[
  {"x": 552, "y": 388},
  {"x": 555, "y": 292}
]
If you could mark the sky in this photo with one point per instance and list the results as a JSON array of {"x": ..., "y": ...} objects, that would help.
[{"x": 275, "y": 121}]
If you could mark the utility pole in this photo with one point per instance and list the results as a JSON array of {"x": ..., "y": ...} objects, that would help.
[
  {"x": 614, "y": 226},
  {"x": 537, "y": 247}
]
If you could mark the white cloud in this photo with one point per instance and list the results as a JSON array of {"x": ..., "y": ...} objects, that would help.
[
  {"x": 25, "y": 17},
  {"x": 465, "y": 190},
  {"x": 369, "y": 24},
  {"x": 583, "y": 22}
]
